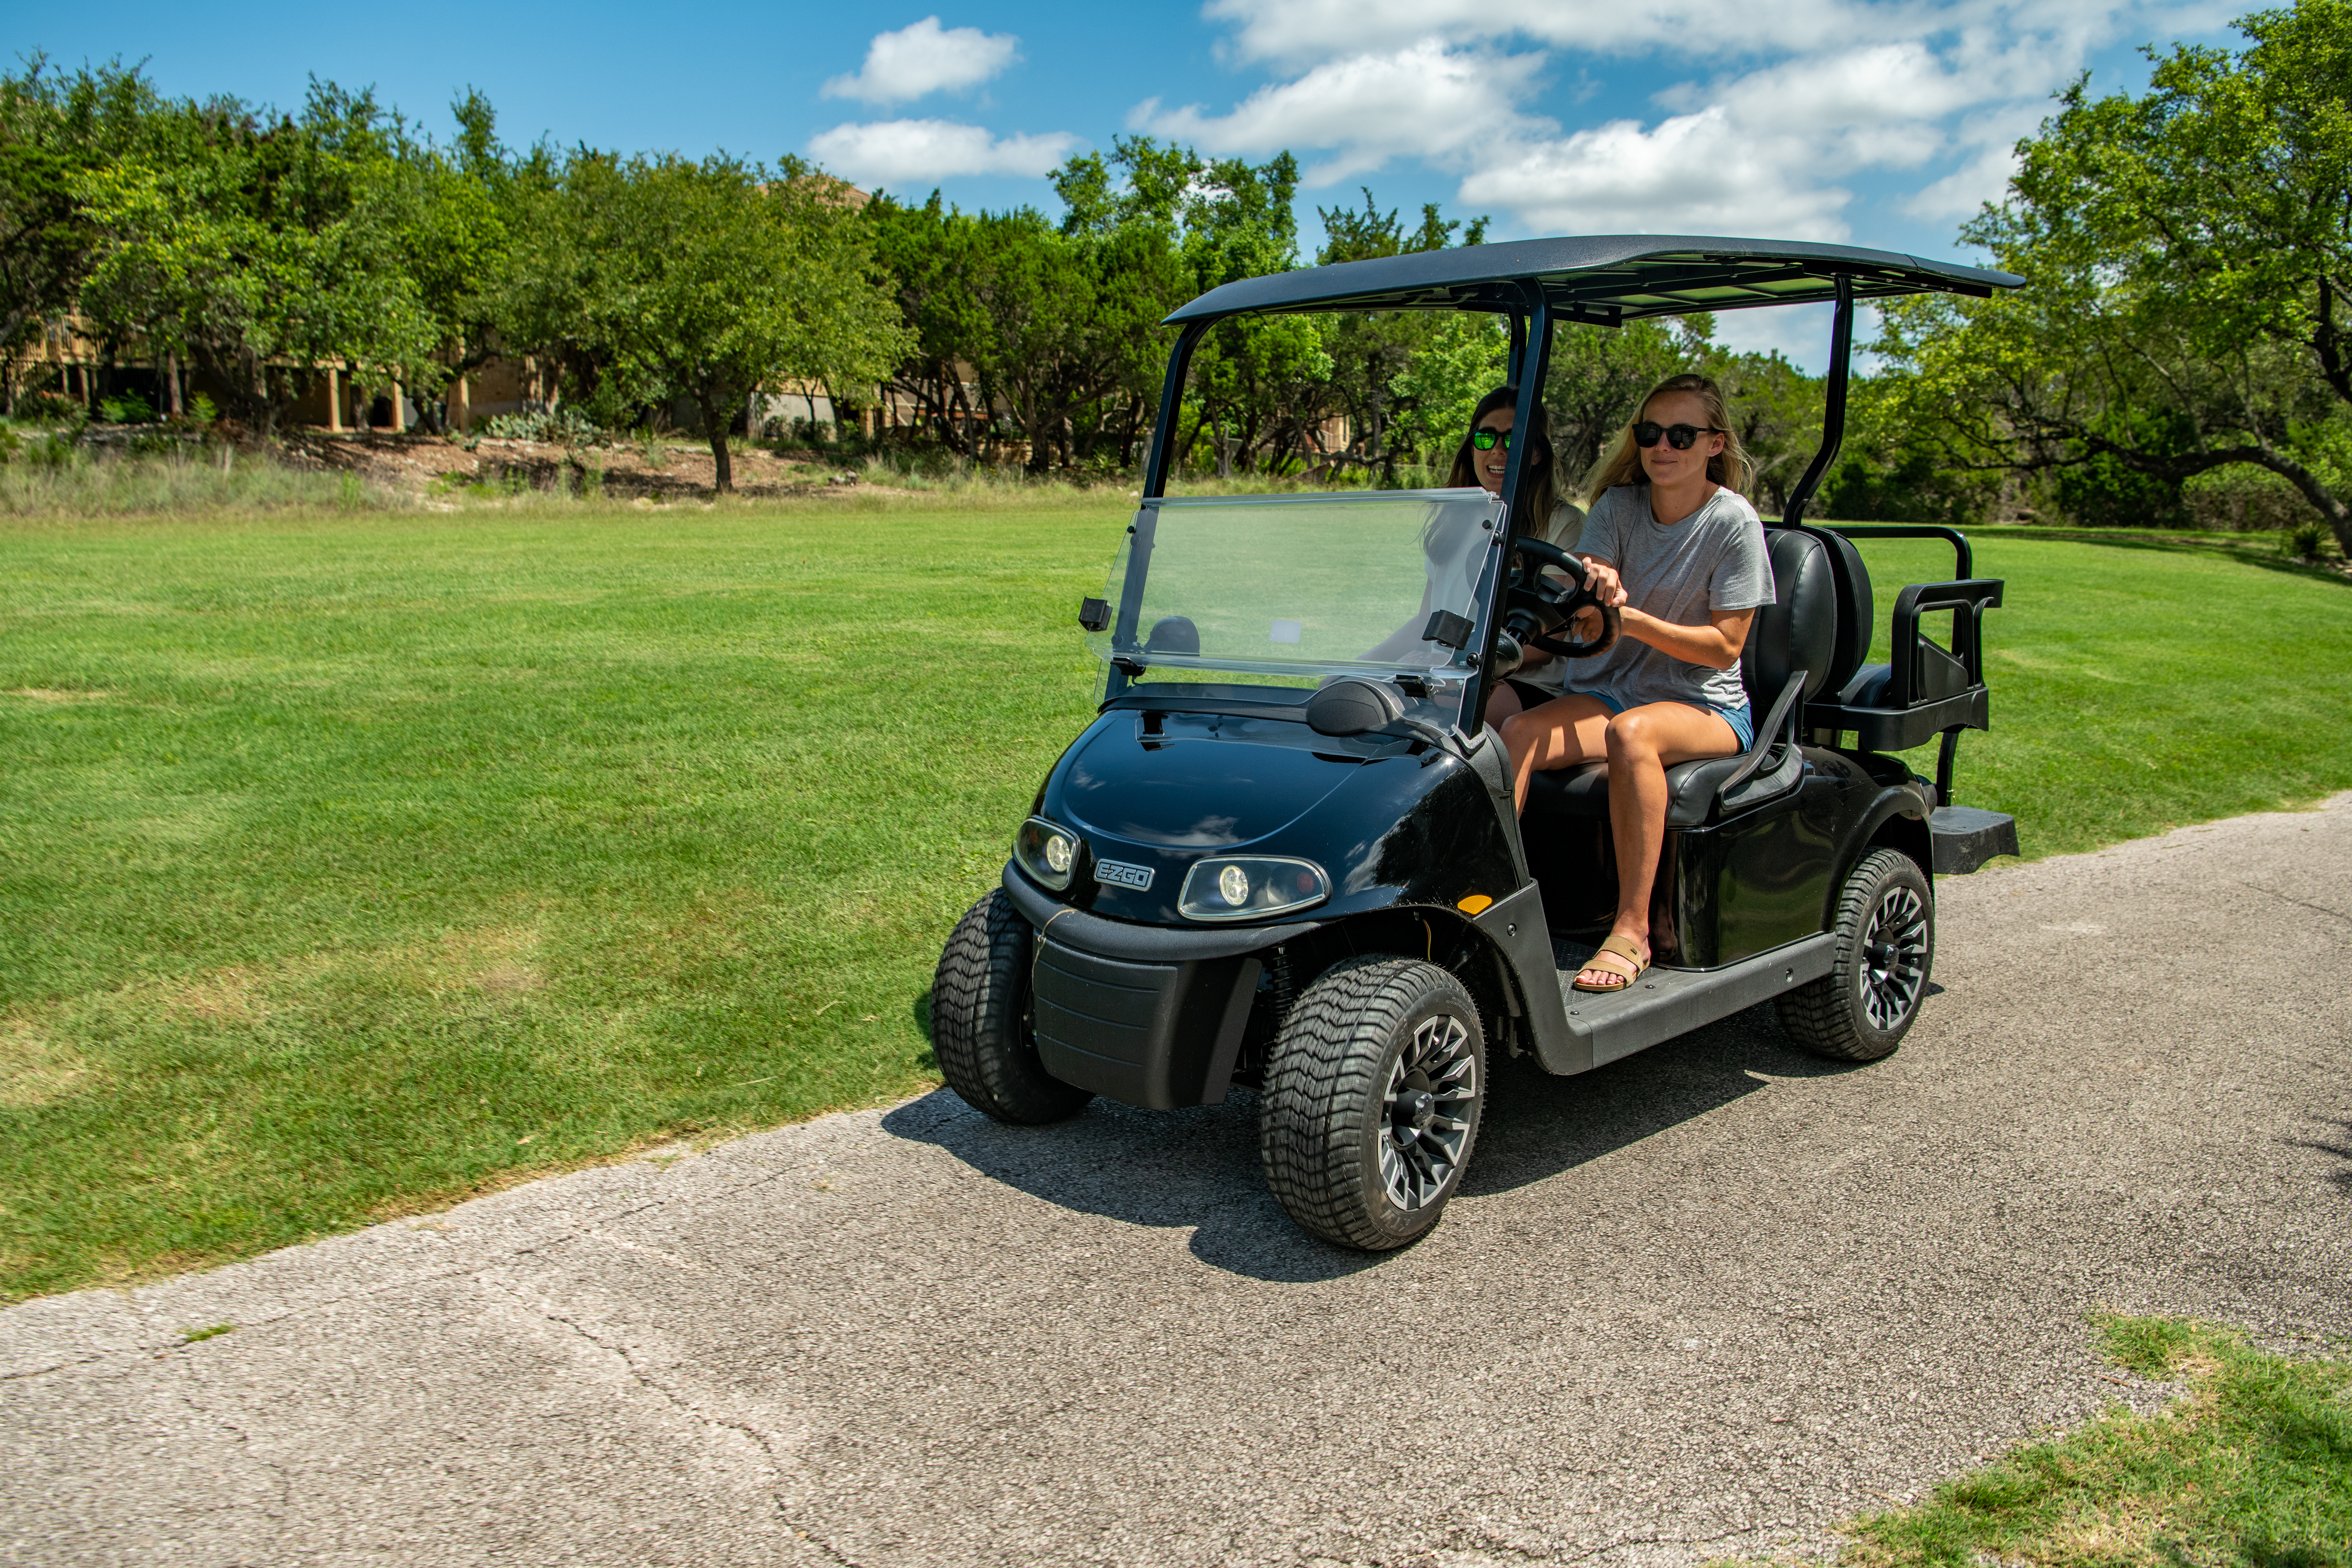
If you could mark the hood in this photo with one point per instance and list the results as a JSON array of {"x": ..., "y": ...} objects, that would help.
[{"x": 1194, "y": 792}]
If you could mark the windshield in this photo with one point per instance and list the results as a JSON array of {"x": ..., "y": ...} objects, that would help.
[{"x": 1298, "y": 584}]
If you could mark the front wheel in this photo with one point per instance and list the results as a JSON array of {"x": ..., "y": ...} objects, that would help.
[
  {"x": 1371, "y": 1101},
  {"x": 1885, "y": 933},
  {"x": 983, "y": 1027}
]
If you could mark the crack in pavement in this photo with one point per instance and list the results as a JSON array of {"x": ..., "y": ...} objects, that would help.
[
  {"x": 774, "y": 1461},
  {"x": 2274, "y": 892},
  {"x": 586, "y": 1229}
]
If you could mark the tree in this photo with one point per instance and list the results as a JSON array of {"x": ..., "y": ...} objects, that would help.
[
  {"x": 2188, "y": 258},
  {"x": 263, "y": 251},
  {"x": 702, "y": 281},
  {"x": 1372, "y": 352}
]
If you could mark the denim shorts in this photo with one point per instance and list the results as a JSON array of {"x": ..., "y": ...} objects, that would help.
[{"x": 1741, "y": 719}]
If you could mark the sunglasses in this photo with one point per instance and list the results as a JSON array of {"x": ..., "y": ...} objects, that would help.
[
  {"x": 1487, "y": 440},
  {"x": 1678, "y": 436}
]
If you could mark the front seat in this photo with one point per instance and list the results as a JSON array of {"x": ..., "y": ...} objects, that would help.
[{"x": 1797, "y": 631}]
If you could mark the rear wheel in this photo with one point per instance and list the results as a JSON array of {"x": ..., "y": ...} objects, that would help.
[
  {"x": 1886, "y": 933},
  {"x": 982, "y": 1022},
  {"x": 1371, "y": 1101}
]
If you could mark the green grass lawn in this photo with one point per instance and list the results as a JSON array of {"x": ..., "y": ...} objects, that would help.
[
  {"x": 350, "y": 865},
  {"x": 2250, "y": 1467}
]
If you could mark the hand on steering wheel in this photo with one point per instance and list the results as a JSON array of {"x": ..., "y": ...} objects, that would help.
[{"x": 1539, "y": 606}]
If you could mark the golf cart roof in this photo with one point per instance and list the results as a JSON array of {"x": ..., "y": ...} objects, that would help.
[{"x": 1607, "y": 278}]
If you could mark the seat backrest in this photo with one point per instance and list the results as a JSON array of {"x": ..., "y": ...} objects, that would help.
[
  {"x": 1799, "y": 630},
  {"x": 1857, "y": 614}
]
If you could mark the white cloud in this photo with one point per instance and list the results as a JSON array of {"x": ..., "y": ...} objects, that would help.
[
  {"x": 1425, "y": 100},
  {"x": 1790, "y": 103},
  {"x": 925, "y": 58},
  {"x": 897, "y": 151},
  {"x": 1693, "y": 174},
  {"x": 1298, "y": 30}
]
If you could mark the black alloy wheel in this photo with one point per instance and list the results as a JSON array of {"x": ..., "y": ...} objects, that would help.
[
  {"x": 1886, "y": 933},
  {"x": 1372, "y": 1100},
  {"x": 983, "y": 1027}
]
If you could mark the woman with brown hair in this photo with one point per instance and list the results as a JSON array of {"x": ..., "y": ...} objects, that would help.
[
  {"x": 1480, "y": 459},
  {"x": 1673, "y": 543}
]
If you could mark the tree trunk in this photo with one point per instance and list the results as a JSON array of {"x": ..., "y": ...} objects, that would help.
[{"x": 722, "y": 467}]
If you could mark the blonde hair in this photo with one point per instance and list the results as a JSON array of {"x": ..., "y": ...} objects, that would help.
[{"x": 1622, "y": 466}]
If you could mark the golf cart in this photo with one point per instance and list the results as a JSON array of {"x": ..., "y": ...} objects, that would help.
[{"x": 1283, "y": 855}]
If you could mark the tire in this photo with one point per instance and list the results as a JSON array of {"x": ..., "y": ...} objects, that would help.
[
  {"x": 1350, "y": 1070},
  {"x": 1886, "y": 933},
  {"x": 982, "y": 1022}
]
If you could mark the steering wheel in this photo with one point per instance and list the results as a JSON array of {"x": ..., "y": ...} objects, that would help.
[{"x": 1539, "y": 606}]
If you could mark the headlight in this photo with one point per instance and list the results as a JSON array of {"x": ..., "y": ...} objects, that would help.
[
  {"x": 1251, "y": 886},
  {"x": 1047, "y": 852}
]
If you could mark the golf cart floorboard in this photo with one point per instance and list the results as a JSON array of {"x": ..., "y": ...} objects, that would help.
[{"x": 1668, "y": 1002}]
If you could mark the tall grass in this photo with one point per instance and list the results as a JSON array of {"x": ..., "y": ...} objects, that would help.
[{"x": 76, "y": 483}]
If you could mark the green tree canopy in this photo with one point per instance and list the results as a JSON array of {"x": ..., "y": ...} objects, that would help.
[
  {"x": 2188, "y": 258},
  {"x": 702, "y": 281}
]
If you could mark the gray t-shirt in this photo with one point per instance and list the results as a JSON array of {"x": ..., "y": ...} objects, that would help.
[{"x": 1713, "y": 560}]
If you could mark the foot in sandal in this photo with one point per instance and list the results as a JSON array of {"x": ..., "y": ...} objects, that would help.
[{"x": 1620, "y": 961}]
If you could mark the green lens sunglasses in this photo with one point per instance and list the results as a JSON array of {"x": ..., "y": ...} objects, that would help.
[{"x": 1486, "y": 440}]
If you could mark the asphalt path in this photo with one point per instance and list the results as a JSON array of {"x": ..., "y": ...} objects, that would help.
[{"x": 1707, "y": 1301}]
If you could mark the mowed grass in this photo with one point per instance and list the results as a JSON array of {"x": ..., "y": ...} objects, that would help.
[
  {"x": 2250, "y": 1467},
  {"x": 350, "y": 864}
]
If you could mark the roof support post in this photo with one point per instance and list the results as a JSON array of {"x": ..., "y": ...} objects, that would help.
[
  {"x": 1533, "y": 360},
  {"x": 1833, "y": 417},
  {"x": 1172, "y": 406},
  {"x": 1519, "y": 347}
]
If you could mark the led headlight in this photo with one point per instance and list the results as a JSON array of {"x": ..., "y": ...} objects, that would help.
[
  {"x": 1047, "y": 852},
  {"x": 1251, "y": 886}
]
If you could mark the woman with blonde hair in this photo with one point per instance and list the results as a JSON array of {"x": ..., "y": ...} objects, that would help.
[
  {"x": 1480, "y": 459},
  {"x": 1672, "y": 542}
]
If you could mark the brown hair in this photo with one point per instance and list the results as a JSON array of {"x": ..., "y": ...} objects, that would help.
[
  {"x": 1729, "y": 467},
  {"x": 1538, "y": 481}
]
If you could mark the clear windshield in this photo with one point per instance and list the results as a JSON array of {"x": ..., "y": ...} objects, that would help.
[{"x": 1298, "y": 584}]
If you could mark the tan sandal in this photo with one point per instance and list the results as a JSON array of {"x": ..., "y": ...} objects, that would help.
[{"x": 1616, "y": 948}]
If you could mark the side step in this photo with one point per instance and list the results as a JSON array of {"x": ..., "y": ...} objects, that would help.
[
  {"x": 1669, "y": 1001},
  {"x": 1967, "y": 836}
]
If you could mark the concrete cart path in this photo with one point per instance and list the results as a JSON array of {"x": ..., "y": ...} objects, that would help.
[{"x": 1709, "y": 1300}]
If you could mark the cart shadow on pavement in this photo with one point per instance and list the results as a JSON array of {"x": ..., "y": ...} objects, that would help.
[{"x": 1199, "y": 1168}]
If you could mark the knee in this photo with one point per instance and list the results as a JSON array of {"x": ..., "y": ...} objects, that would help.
[
  {"x": 1632, "y": 737},
  {"x": 1514, "y": 730}
]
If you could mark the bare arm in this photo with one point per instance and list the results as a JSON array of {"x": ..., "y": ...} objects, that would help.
[{"x": 1716, "y": 645}]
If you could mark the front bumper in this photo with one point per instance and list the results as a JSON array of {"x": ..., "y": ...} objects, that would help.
[{"x": 1148, "y": 1016}]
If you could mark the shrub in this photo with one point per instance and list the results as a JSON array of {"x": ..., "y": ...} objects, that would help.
[
  {"x": 2242, "y": 497},
  {"x": 565, "y": 427},
  {"x": 130, "y": 408},
  {"x": 37, "y": 406}
]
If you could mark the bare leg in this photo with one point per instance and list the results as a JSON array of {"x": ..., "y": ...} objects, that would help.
[
  {"x": 1502, "y": 703},
  {"x": 1642, "y": 743},
  {"x": 1555, "y": 734}
]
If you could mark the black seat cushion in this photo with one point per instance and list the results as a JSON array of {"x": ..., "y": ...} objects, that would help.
[
  {"x": 1584, "y": 791},
  {"x": 1868, "y": 687}
]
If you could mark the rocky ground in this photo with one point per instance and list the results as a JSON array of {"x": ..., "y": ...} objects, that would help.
[{"x": 434, "y": 465}]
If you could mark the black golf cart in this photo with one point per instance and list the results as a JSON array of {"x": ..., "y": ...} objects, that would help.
[{"x": 1313, "y": 882}]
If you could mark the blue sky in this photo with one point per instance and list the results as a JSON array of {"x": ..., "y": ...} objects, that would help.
[{"x": 1875, "y": 123}]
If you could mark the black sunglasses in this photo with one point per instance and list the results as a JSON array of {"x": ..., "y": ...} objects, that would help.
[
  {"x": 1484, "y": 440},
  {"x": 1678, "y": 436}
]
